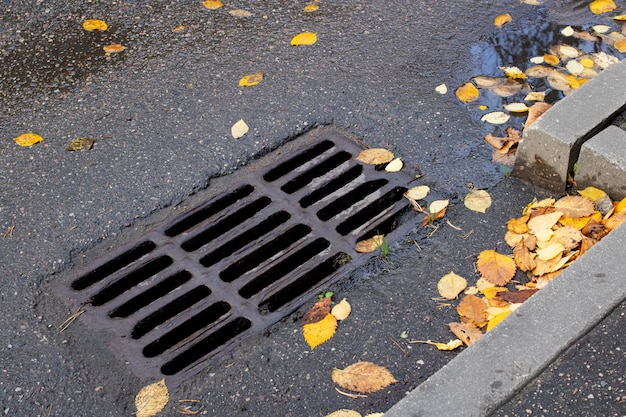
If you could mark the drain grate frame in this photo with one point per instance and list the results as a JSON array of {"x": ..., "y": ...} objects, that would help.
[{"x": 199, "y": 283}]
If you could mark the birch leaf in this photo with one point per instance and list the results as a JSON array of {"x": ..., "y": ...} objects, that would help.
[
  {"x": 451, "y": 285},
  {"x": 375, "y": 156},
  {"x": 418, "y": 192},
  {"x": 152, "y": 399},
  {"x": 304, "y": 38},
  {"x": 394, "y": 166},
  {"x": 28, "y": 139},
  {"x": 496, "y": 118},
  {"x": 250, "y": 79},
  {"x": 477, "y": 200},
  {"x": 441, "y": 89},
  {"x": 495, "y": 267},
  {"x": 467, "y": 93},
  {"x": 341, "y": 310},
  {"x": 602, "y": 6},
  {"x": 363, "y": 377},
  {"x": 319, "y": 332}
]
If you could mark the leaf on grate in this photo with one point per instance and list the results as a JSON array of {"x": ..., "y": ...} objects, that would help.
[
  {"x": 363, "y": 377},
  {"x": 318, "y": 312},
  {"x": 394, "y": 166},
  {"x": 322, "y": 331},
  {"x": 369, "y": 245},
  {"x": 152, "y": 399},
  {"x": 477, "y": 200},
  {"x": 495, "y": 267},
  {"x": 451, "y": 285},
  {"x": 473, "y": 309},
  {"x": 375, "y": 156},
  {"x": 342, "y": 310},
  {"x": 466, "y": 332}
]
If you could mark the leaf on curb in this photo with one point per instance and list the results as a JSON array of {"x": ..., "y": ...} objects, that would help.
[
  {"x": 28, "y": 139},
  {"x": 451, "y": 285},
  {"x": 477, "y": 200},
  {"x": 304, "y": 38},
  {"x": 363, "y": 377},
  {"x": 151, "y": 399},
  {"x": 319, "y": 332},
  {"x": 375, "y": 156},
  {"x": 495, "y": 267}
]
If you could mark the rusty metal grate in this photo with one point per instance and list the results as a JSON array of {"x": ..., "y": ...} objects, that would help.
[{"x": 197, "y": 285}]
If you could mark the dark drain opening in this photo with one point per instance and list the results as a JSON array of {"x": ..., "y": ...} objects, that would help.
[
  {"x": 304, "y": 283},
  {"x": 297, "y": 161},
  {"x": 206, "y": 346},
  {"x": 127, "y": 282},
  {"x": 113, "y": 265},
  {"x": 226, "y": 224},
  {"x": 315, "y": 172},
  {"x": 250, "y": 235},
  {"x": 281, "y": 269},
  {"x": 204, "y": 213},
  {"x": 348, "y": 200},
  {"x": 170, "y": 310},
  {"x": 151, "y": 295},
  {"x": 265, "y": 252},
  {"x": 332, "y": 186},
  {"x": 203, "y": 319},
  {"x": 371, "y": 211}
]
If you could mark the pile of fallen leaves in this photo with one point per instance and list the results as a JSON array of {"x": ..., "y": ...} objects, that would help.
[{"x": 549, "y": 236}]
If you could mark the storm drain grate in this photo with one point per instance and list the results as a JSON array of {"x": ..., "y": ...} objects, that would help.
[{"x": 197, "y": 285}]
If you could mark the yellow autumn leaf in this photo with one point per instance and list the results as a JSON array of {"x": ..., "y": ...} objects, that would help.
[
  {"x": 152, "y": 399},
  {"x": 621, "y": 206},
  {"x": 311, "y": 7},
  {"x": 473, "y": 310},
  {"x": 535, "y": 96},
  {"x": 592, "y": 193},
  {"x": 113, "y": 48},
  {"x": 543, "y": 221},
  {"x": 477, "y": 200},
  {"x": 451, "y": 285},
  {"x": 502, "y": 19},
  {"x": 28, "y": 139},
  {"x": 602, "y": 6},
  {"x": 92, "y": 25},
  {"x": 304, "y": 38},
  {"x": 341, "y": 310},
  {"x": 467, "y": 93},
  {"x": 495, "y": 320},
  {"x": 574, "y": 206},
  {"x": 549, "y": 252},
  {"x": 551, "y": 59},
  {"x": 441, "y": 89},
  {"x": 516, "y": 107},
  {"x": 495, "y": 267},
  {"x": 394, "y": 166},
  {"x": 250, "y": 79},
  {"x": 513, "y": 72},
  {"x": 319, "y": 332},
  {"x": 451, "y": 345},
  {"x": 620, "y": 18},
  {"x": 620, "y": 45},
  {"x": 375, "y": 156},
  {"x": 363, "y": 377},
  {"x": 212, "y": 4},
  {"x": 239, "y": 129}
]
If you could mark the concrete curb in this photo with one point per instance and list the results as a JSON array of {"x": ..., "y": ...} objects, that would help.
[
  {"x": 552, "y": 144},
  {"x": 503, "y": 361}
]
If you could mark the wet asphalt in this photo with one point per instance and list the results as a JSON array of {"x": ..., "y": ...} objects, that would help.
[{"x": 160, "y": 113}]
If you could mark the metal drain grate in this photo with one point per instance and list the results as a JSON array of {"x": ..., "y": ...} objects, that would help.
[{"x": 197, "y": 285}]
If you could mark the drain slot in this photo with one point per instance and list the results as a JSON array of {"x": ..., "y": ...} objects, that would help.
[
  {"x": 113, "y": 265},
  {"x": 203, "y": 319},
  {"x": 206, "y": 345},
  {"x": 226, "y": 224},
  {"x": 371, "y": 211},
  {"x": 132, "y": 279},
  {"x": 345, "y": 202},
  {"x": 315, "y": 172},
  {"x": 250, "y": 235},
  {"x": 332, "y": 186},
  {"x": 170, "y": 310},
  {"x": 265, "y": 252},
  {"x": 281, "y": 269},
  {"x": 198, "y": 216},
  {"x": 297, "y": 161},
  {"x": 151, "y": 295}
]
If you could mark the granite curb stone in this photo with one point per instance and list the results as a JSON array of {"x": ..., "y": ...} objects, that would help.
[{"x": 504, "y": 360}]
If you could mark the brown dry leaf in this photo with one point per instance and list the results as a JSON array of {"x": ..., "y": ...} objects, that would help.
[
  {"x": 151, "y": 399},
  {"x": 341, "y": 310},
  {"x": 80, "y": 143},
  {"x": 517, "y": 297},
  {"x": 466, "y": 332},
  {"x": 363, "y": 377},
  {"x": 615, "y": 220},
  {"x": 574, "y": 206},
  {"x": 522, "y": 257},
  {"x": 113, "y": 48},
  {"x": 477, "y": 200},
  {"x": 451, "y": 285},
  {"x": 28, "y": 139},
  {"x": 473, "y": 308},
  {"x": 495, "y": 267},
  {"x": 535, "y": 111},
  {"x": 559, "y": 81},
  {"x": 467, "y": 93},
  {"x": 375, "y": 156},
  {"x": 322, "y": 331},
  {"x": 344, "y": 413},
  {"x": 507, "y": 159},
  {"x": 369, "y": 245},
  {"x": 251, "y": 79},
  {"x": 304, "y": 38},
  {"x": 539, "y": 71},
  {"x": 318, "y": 312},
  {"x": 502, "y": 19}
]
